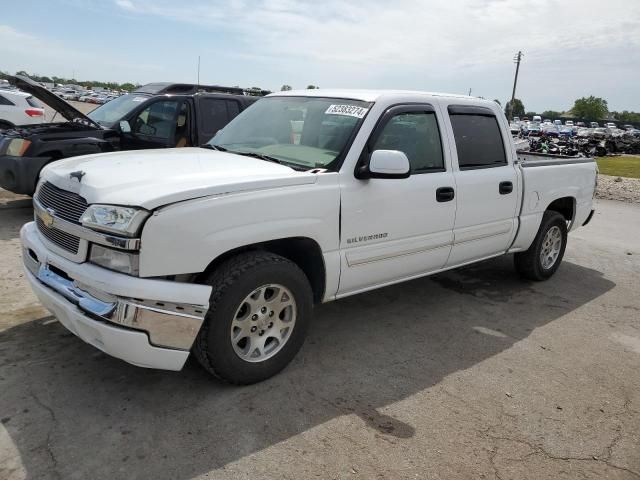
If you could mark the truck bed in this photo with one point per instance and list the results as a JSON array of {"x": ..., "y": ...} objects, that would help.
[{"x": 533, "y": 159}]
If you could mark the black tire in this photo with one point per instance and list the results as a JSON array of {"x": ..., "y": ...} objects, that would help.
[
  {"x": 528, "y": 263},
  {"x": 231, "y": 283},
  {"x": 5, "y": 124}
]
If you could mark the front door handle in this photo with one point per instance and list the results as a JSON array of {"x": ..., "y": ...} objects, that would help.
[
  {"x": 445, "y": 194},
  {"x": 505, "y": 188}
]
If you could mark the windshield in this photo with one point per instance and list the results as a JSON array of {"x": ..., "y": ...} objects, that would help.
[
  {"x": 110, "y": 113},
  {"x": 306, "y": 132}
]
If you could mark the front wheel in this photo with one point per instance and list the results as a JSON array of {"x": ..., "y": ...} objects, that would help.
[
  {"x": 260, "y": 308},
  {"x": 544, "y": 256}
]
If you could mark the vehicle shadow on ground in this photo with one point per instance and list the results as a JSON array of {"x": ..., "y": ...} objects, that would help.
[{"x": 71, "y": 411}]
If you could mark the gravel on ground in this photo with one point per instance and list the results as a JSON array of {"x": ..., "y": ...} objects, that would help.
[{"x": 618, "y": 188}]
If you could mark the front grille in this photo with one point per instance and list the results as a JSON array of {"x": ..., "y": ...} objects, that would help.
[
  {"x": 66, "y": 205},
  {"x": 64, "y": 240}
]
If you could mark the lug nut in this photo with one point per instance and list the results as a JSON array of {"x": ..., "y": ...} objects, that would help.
[
  {"x": 270, "y": 324},
  {"x": 254, "y": 317},
  {"x": 271, "y": 313},
  {"x": 254, "y": 328},
  {"x": 261, "y": 332},
  {"x": 263, "y": 309}
]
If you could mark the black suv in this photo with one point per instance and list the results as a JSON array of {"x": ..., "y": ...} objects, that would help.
[{"x": 157, "y": 115}]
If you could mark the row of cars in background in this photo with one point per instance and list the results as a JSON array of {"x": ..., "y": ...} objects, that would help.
[
  {"x": 88, "y": 96},
  {"x": 574, "y": 138}
]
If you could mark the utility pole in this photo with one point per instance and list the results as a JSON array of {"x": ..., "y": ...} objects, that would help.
[
  {"x": 198, "y": 70},
  {"x": 469, "y": 92},
  {"x": 516, "y": 59}
]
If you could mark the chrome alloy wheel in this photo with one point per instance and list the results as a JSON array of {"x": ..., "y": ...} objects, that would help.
[
  {"x": 263, "y": 323},
  {"x": 551, "y": 245}
]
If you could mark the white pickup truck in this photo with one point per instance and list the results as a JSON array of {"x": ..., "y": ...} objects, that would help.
[{"x": 305, "y": 197}]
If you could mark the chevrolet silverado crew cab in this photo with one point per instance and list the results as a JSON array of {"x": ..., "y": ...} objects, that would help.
[
  {"x": 305, "y": 197},
  {"x": 157, "y": 115}
]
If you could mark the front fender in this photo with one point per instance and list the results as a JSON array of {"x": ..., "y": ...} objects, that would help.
[{"x": 188, "y": 236}]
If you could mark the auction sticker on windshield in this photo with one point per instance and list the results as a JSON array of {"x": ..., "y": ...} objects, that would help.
[{"x": 349, "y": 110}]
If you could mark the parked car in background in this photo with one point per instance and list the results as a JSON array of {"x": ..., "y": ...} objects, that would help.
[
  {"x": 516, "y": 119},
  {"x": 594, "y": 124},
  {"x": 533, "y": 130},
  {"x": 565, "y": 131},
  {"x": 19, "y": 108},
  {"x": 158, "y": 115},
  {"x": 610, "y": 125},
  {"x": 580, "y": 124},
  {"x": 558, "y": 123},
  {"x": 599, "y": 133},
  {"x": 628, "y": 127},
  {"x": 569, "y": 123},
  {"x": 537, "y": 118},
  {"x": 549, "y": 129}
]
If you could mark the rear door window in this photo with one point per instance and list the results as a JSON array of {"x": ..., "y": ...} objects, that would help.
[
  {"x": 478, "y": 140},
  {"x": 215, "y": 113}
]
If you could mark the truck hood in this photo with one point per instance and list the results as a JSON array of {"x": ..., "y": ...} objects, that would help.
[
  {"x": 58, "y": 104},
  {"x": 153, "y": 178}
]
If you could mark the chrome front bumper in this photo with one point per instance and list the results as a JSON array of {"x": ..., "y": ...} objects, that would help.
[{"x": 129, "y": 304}]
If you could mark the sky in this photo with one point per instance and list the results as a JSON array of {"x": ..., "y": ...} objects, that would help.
[{"x": 572, "y": 48}]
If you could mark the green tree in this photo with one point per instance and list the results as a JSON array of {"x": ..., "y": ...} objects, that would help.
[
  {"x": 516, "y": 111},
  {"x": 285, "y": 88},
  {"x": 551, "y": 114},
  {"x": 311, "y": 87},
  {"x": 530, "y": 115},
  {"x": 590, "y": 108},
  {"x": 626, "y": 116}
]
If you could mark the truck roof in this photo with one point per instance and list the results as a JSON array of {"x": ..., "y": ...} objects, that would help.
[{"x": 371, "y": 95}]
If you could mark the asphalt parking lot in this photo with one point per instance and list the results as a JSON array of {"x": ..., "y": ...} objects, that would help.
[{"x": 468, "y": 374}]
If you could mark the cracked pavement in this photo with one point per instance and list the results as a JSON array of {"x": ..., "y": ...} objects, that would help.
[{"x": 468, "y": 374}]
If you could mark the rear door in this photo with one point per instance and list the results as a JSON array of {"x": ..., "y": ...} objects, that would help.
[
  {"x": 213, "y": 115},
  {"x": 486, "y": 185}
]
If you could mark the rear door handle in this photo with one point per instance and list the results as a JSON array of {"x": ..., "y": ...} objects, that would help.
[
  {"x": 505, "y": 188},
  {"x": 445, "y": 194}
]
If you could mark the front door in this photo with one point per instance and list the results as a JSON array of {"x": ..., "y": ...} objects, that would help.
[
  {"x": 156, "y": 126},
  {"x": 394, "y": 229}
]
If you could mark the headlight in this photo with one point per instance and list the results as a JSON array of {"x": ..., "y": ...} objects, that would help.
[
  {"x": 113, "y": 219},
  {"x": 17, "y": 147},
  {"x": 119, "y": 261}
]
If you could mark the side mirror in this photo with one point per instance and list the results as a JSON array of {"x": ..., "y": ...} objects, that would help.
[
  {"x": 125, "y": 127},
  {"x": 389, "y": 164}
]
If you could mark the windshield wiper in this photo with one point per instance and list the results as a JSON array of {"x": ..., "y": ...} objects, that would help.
[
  {"x": 210, "y": 146},
  {"x": 268, "y": 158}
]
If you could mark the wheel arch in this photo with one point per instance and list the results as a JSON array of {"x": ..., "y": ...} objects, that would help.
[
  {"x": 303, "y": 251},
  {"x": 566, "y": 206}
]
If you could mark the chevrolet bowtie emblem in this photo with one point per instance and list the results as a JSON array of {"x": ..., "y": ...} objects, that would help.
[
  {"x": 77, "y": 175},
  {"x": 47, "y": 217}
]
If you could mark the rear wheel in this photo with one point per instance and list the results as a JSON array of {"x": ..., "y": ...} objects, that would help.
[
  {"x": 4, "y": 124},
  {"x": 260, "y": 308},
  {"x": 544, "y": 256}
]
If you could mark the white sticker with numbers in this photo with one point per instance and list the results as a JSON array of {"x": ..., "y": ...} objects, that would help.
[{"x": 348, "y": 110}]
